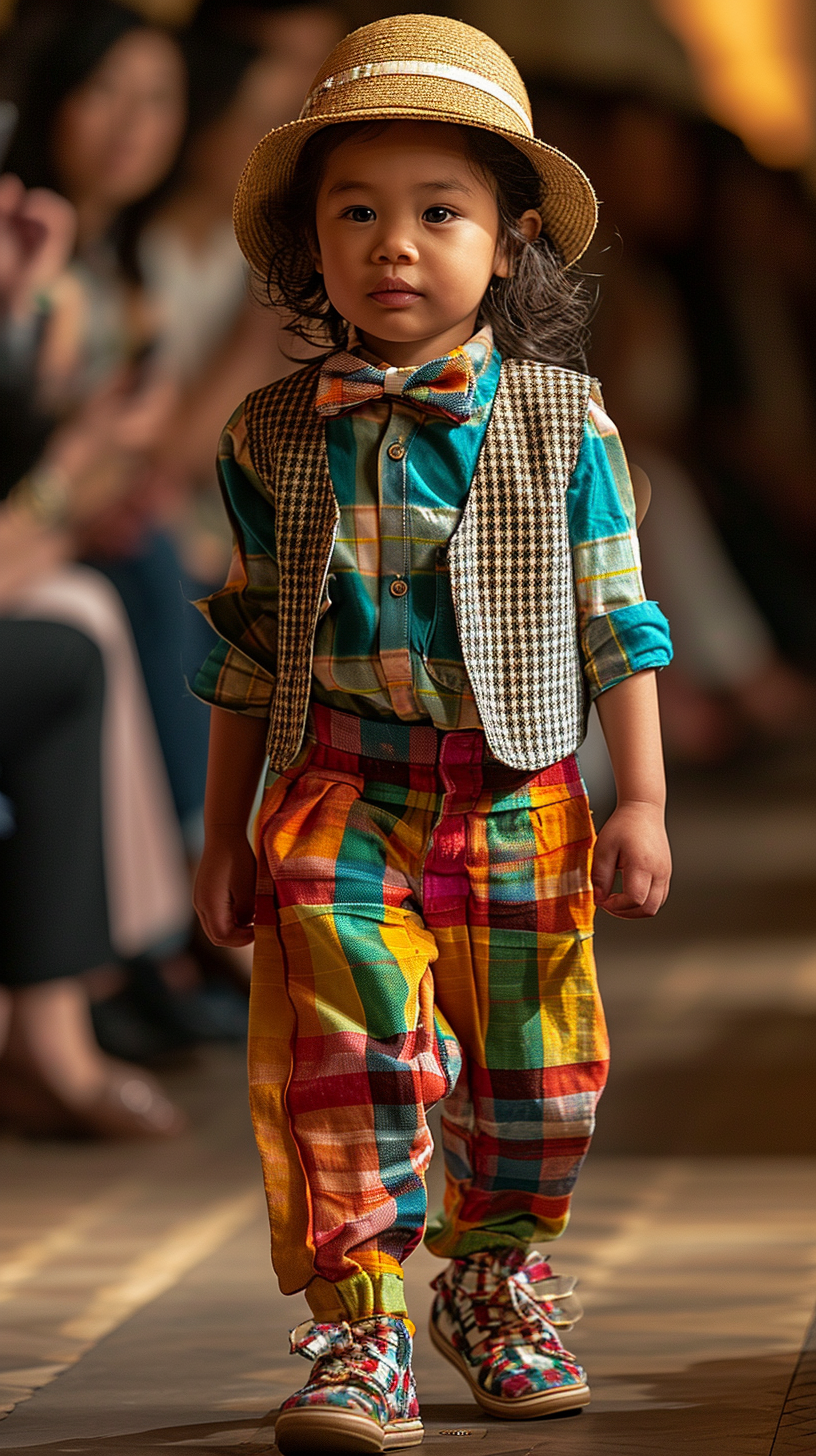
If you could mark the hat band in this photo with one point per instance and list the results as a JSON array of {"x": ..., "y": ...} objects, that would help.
[{"x": 416, "y": 68}]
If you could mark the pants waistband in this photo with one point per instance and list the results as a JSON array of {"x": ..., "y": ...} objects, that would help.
[
  {"x": 393, "y": 742},
  {"x": 453, "y": 752}
]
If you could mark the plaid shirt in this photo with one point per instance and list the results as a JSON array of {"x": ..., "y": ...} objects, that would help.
[{"x": 401, "y": 478}]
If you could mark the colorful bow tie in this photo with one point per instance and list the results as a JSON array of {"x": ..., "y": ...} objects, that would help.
[{"x": 443, "y": 386}]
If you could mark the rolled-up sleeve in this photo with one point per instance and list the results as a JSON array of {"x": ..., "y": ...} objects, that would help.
[
  {"x": 620, "y": 632},
  {"x": 239, "y": 673}
]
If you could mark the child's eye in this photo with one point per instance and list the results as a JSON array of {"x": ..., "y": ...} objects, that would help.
[
  {"x": 360, "y": 214},
  {"x": 438, "y": 214}
]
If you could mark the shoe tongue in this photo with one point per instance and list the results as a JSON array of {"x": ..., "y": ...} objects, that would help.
[{"x": 482, "y": 1273}]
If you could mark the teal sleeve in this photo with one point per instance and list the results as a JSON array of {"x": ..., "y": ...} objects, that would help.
[
  {"x": 239, "y": 672},
  {"x": 620, "y": 632}
]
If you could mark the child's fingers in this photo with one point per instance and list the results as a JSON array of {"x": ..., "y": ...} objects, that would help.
[
  {"x": 619, "y": 905},
  {"x": 224, "y": 921},
  {"x": 242, "y": 906},
  {"x": 223, "y": 927},
  {"x": 623, "y": 907},
  {"x": 628, "y": 907},
  {"x": 659, "y": 894},
  {"x": 242, "y": 931},
  {"x": 239, "y": 935},
  {"x": 604, "y": 866},
  {"x": 636, "y": 883}
]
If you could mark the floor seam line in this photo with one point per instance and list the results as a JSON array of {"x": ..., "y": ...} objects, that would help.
[{"x": 808, "y": 1348}]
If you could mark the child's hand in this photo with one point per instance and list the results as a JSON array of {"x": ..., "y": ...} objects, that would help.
[
  {"x": 634, "y": 841},
  {"x": 224, "y": 895}
]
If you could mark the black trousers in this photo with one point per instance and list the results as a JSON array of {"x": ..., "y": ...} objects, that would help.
[{"x": 53, "y": 905}]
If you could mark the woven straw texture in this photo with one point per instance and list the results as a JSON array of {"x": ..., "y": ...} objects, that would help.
[{"x": 496, "y": 101}]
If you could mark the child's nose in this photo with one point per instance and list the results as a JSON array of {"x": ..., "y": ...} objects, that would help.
[{"x": 395, "y": 246}]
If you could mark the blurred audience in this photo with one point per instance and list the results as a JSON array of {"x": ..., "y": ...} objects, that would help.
[
  {"x": 102, "y": 118},
  {"x": 676, "y": 377},
  {"x": 158, "y": 278},
  {"x": 89, "y": 863},
  {"x": 102, "y": 115}
]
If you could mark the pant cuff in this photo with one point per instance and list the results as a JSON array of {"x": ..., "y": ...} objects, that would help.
[
  {"x": 450, "y": 1238},
  {"x": 358, "y": 1297}
]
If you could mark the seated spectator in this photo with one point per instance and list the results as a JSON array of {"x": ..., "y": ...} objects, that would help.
[
  {"x": 90, "y": 864},
  {"x": 102, "y": 116}
]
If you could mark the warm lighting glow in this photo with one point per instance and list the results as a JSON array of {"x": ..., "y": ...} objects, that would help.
[
  {"x": 754, "y": 60},
  {"x": 166, "y": 12}
]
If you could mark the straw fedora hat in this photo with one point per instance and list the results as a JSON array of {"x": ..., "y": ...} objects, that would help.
[{"x": 419, "y": 68}]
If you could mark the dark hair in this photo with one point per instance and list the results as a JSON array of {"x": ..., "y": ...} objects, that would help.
[
  {"x": 540, "y": 312},
  {"x": 68, "y": 55},
  {"x": 216, "y": 66}
]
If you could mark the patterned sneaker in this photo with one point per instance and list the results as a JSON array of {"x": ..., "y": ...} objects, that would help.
[
  {"x": 495, "y": 1319},
  {"x": 361, "y": 1394}
]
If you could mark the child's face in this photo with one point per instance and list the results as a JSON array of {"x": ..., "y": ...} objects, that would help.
[{"x": 407, "y": 239}]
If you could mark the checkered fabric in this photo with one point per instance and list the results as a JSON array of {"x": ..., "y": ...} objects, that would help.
[
  {"x": 363, "y": 1367},
  {"x": 488, "y": 1310},
  {"x": 289, "y": 453},
  {"x": 511, "y": 568},
  {"x": 418, "y": 903}
]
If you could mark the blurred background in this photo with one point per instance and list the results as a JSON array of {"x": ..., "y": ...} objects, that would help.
[{"x": 129, "y": 332}]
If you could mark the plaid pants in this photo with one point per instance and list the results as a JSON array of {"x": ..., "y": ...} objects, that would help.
[{"x": 420, "y": 907}]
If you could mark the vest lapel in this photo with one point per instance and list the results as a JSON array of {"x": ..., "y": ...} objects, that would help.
[
  {"x": 511, "y": 568},
  {"x": 287, "y": 442}
]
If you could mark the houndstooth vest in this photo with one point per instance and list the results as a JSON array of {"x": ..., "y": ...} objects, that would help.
[{"x": 510, "y": 559}]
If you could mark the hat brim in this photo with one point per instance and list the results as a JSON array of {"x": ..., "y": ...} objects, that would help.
[{"x": 569, "y": 209}]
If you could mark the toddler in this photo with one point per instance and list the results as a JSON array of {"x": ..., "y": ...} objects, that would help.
[{"x": 436, "y": 570}]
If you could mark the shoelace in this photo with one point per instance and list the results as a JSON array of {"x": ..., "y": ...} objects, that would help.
[
  {"x": 343, "y": 1341},
  {"x": 520, "y": 1310},
  {"x": 338, "y": 1349},
  {"x": 314, "y": 1340}
]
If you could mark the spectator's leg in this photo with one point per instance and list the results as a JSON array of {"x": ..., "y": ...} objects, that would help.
[
  {"x": 155, "y": 594},
  {"x": 53, "y": 904},
  {"x": 53, "y": 909}
]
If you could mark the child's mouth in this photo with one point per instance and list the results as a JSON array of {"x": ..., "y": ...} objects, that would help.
[{"x": 394, "y": 293}]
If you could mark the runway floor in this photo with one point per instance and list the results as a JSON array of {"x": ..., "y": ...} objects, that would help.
[{"x": 138, "y": 1312}]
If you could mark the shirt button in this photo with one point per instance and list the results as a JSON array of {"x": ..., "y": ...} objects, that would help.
[
  {"x": 396, "y": 451},
  {"x": 398, "y": 588}
]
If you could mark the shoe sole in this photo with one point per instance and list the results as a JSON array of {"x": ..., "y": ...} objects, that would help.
[
  {"x": 324, "y": 1429},
  {"x": 525, "y": 1407}
]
